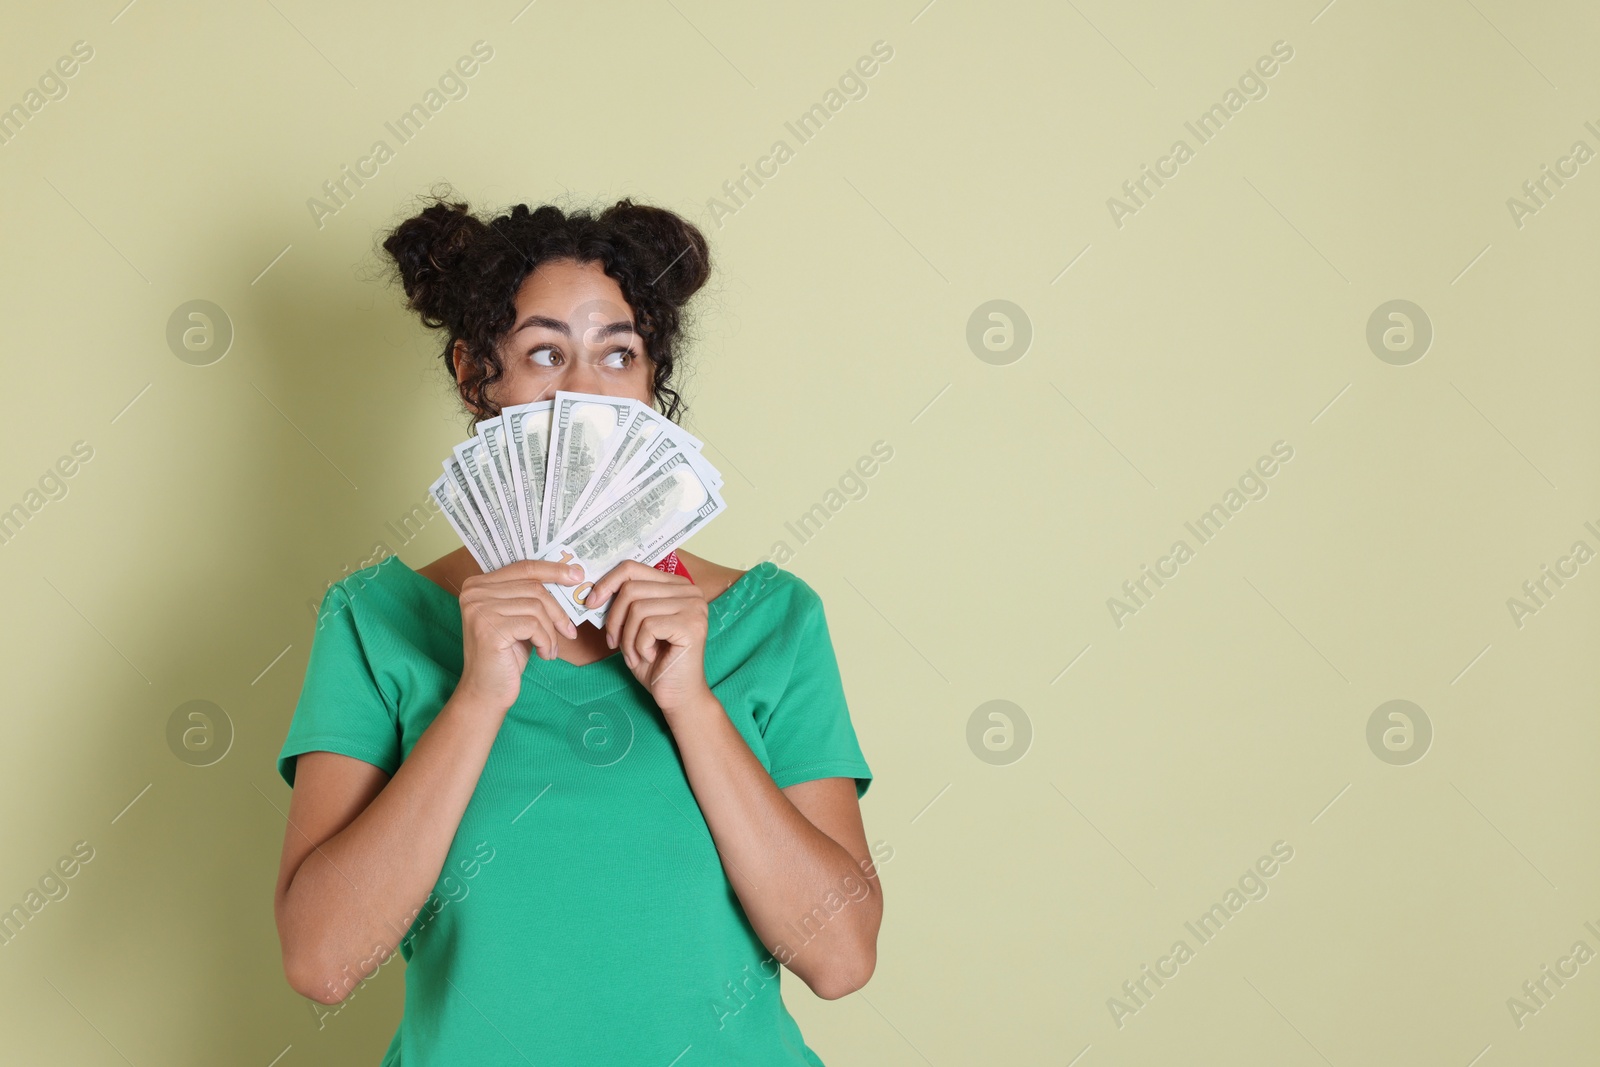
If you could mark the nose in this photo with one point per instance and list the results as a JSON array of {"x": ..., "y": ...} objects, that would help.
[
  {"x": 583, "y": 375},
  {"x": 589, "y": 349}
]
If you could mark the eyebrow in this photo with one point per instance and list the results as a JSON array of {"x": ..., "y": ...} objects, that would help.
[{"x": 560, "y": 327}]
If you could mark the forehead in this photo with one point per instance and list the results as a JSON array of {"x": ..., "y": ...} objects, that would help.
[{"x": 567, "y": 290}]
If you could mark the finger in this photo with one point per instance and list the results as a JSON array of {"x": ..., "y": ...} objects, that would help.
[
  {"x": 543, "y": 602},
  {"x": 538, "y": 602},
  {"x": 632, "y": 591},
  {"x": 641, "y": 602},
  {"x": 559, "y": 618},
  {"x": 533, "y": 628},
  {"x": 623, "y": 572},
  {"x": 520, "y": 593},
  {"x": 538, "y": 573},
  {"x": 524, "y": 596},
  {"x": 668, "y": 629},
  {"x": 644, "y": 619},
  {"x": 485, "y": 615},
  {"x": 678, "y": 652},
  {"x": 545, "y": 642},
  {"x": 640, "y": 639},
  {"x": 616, "y": 617},
  {"x": 528, "y": 624},
  {"x": 539, "y": 570},
  {"x": 628, "y": 627}
]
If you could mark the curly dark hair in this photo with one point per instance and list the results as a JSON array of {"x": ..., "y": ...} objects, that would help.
[{"x": 462, "y": 274}]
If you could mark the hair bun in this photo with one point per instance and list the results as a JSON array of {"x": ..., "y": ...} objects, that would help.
[
  {"x": 427, "y": 248},
  {"x": 672, "y": 250}
]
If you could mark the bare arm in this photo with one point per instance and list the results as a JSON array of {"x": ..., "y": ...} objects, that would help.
[
  {"x": 362, "y": 851},
  {"x": 796, "y": 857}
]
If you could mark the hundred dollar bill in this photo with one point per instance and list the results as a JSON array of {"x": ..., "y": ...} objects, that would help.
[
  {"x": 660, "y": 511},
  {"x": 642, "y": 434},
  {"x": 693, "y": 442},
  {"x": 497, "y": 464},
  {"x": 661, "y": 442},
  {"x": 584, "y": 429},
  {"x": 468, "y": 506},
  {"x": 475, "y": 466},
  {"x": 444, "y": 495},
  {"x": 528, "y": 435},
  {"x": 641, "y": 427}
]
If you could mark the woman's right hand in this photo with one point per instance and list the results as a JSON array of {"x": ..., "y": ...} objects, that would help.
[{"x": 505, "y": 614}]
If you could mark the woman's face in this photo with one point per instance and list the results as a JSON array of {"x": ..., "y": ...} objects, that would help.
[{"x": 572, "y": 331}]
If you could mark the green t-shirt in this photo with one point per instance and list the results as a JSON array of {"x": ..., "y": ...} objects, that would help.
[{"x": 582, "y": 915}]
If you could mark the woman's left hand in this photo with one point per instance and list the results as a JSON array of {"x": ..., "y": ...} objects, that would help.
[{"x": 659, "y": 621}]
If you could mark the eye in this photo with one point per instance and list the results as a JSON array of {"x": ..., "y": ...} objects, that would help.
[
  {"x": 542, "y": 356},
  {"x": 620, "y": 358}
]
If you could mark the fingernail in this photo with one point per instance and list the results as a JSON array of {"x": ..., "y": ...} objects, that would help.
[
  {"x": 611, "y": 642},
  {"x": 574, "y": 571}
]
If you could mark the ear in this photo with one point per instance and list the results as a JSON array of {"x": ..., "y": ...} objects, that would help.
[{"x": 463, "y": 361}]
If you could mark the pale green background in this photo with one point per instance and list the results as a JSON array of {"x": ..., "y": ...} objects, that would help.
[{"x": 1227, "y": 314}]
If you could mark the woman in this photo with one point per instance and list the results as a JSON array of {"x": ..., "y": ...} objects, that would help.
[{"x": 602, "y": 855}]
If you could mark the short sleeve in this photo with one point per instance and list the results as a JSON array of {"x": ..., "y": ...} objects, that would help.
[
  {"x": 341, "y": 708},
  {"x": 808, "y": 735}
]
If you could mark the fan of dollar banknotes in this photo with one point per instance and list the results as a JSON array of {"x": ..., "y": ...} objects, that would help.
[{"x": 583, "y": 478}]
